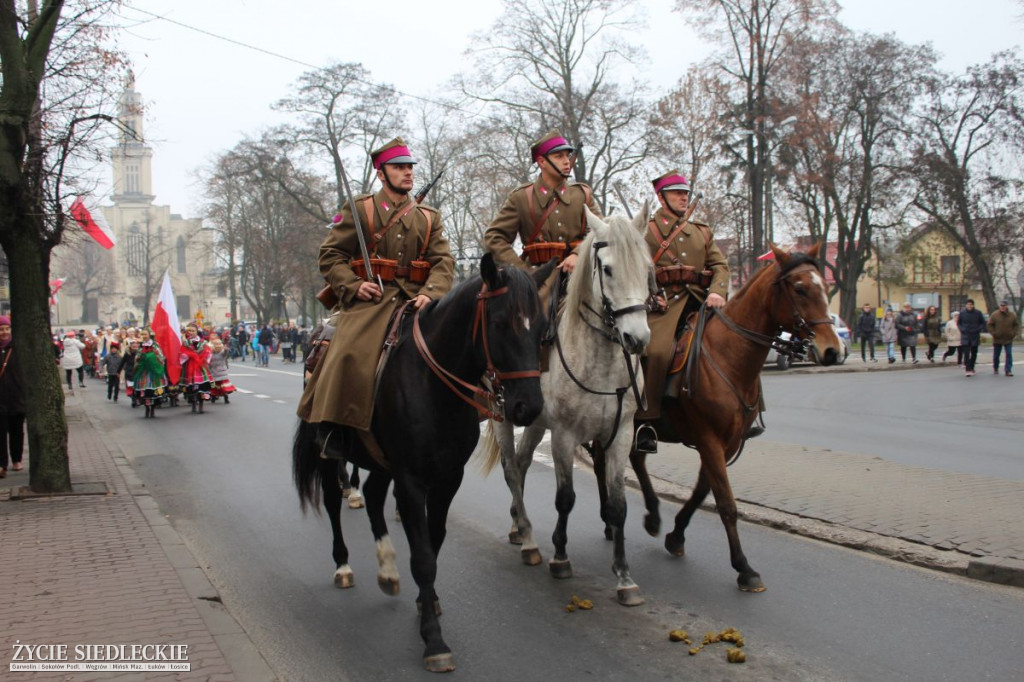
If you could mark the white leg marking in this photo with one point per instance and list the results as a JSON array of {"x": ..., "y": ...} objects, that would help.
[{"x": 386, "y": 567}]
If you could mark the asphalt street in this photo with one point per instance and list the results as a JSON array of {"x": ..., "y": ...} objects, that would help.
[{"x": 223, "y": 480}]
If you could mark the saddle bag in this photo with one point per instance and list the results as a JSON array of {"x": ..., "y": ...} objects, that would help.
[
  {"x": 386, "y": 268},
  {"x": 683, "y": 274}
]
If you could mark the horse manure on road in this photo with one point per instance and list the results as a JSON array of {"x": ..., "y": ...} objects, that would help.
[
  {"x": 577, "y": 603},
  {"x": 731, "y": 635}
]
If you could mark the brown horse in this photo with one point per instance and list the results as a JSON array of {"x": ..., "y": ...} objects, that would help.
[{"x": 716, "y": 410}]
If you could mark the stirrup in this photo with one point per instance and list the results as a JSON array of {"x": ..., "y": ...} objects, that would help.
[
  {"x": 754, "y": 431},
  {"x": 646, "y": 439}
]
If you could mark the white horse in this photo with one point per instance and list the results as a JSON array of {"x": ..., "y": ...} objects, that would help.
[{"x": 591, "y": 389}]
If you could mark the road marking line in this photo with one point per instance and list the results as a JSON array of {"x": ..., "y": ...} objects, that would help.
[
  {"x": 242, "y": 390},
  {"x": 279, "y": 371},
  {"x": 281, "y": 402},
  {"x": 237, "y": 374},
  {"x": 260, "y": 395}
]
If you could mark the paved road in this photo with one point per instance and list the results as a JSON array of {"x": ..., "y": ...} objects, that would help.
[
  {"x": 931, "y": 417},
  {"x": 829, "y": 614}
]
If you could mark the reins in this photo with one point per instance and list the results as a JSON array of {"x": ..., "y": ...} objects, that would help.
[
  {"x": 495, "y": 397},
  {"x": 609, "y": 319}
]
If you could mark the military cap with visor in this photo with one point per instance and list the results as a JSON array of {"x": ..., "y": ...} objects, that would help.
[
  {"x": 672, "y": 180},
  {"x": 551, "y": 142},
  {"x": 394, "y": 151}
]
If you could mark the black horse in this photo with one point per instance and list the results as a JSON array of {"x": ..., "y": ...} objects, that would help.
[{"x": 426, "y": 420}]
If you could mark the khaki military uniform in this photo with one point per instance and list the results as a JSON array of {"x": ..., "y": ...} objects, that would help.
[
  {"x": 341, "y": 387},
  {"x": 693, "y": 246},
  {"x": 565, "y": 223}
]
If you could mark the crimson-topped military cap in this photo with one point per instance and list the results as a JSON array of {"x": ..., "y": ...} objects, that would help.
[
  {"x": 393, "y": 152},
  {"x": 671, "y": 180},
  {"x": 551, "y": 142}
]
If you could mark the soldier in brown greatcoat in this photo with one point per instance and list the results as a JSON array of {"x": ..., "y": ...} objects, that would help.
[
  {"x": 546, "y": 215},
  {"x": 340, "y": 391},
  {"x": 689, "y": 267}
]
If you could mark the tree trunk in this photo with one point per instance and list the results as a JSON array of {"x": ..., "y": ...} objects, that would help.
[{"x": 29, "y": 263}]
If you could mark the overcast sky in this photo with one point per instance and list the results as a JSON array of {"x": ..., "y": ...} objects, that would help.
[{"x": 204, "y": 94}]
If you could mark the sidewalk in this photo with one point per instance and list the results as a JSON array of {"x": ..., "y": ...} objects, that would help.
[
  {"x": 108, "y": 568},
  {"x": 961, "y": 523}
]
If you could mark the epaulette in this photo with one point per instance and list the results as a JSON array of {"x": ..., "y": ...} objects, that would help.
[
  {"x": 522, "y": 186},
  {"x": 700, "y": 223},
  {"x": 426, "y": 207}
]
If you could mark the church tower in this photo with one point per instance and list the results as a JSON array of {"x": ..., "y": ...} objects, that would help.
[{"x": 132, "y": 157}]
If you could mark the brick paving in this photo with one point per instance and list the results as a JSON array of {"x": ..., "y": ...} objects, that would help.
[{"x": 91, "y": 569}]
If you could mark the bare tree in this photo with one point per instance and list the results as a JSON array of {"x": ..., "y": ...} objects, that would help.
[
  {"x": 844, "y": 157},
  {"x": 87, "y": 268},
  {"x": 757, "y": 35},
  {"x": 544, "y": 65},
  {"x": 970, "y": 131},
  {"x": 55, "y": 69}
]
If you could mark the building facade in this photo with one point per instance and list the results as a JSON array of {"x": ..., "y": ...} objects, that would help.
[{"x": 120, "y": 286}]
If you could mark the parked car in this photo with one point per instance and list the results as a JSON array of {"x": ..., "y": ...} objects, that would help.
[{"x": 842, "y": 331}]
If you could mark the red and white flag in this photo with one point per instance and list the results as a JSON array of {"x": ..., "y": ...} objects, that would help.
[
  {"x": 167, "y": 329},
  {"x": 55, "y": 285},
  {"x": 767, "y": 255},
  {"x": 95, "y": 226}
]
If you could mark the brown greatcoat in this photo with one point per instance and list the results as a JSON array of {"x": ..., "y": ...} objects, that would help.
[
  {"x": 694, "y": 246},
  {"x": 1003, "y": 327},
  {"x": 345, "y": 393},
  {"x": 566, "y": 223}
]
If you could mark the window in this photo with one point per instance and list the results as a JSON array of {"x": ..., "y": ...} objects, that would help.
[
  {"x": 222, "y": 289},
  {"x": 957, "y": 303},
  {"x": 951, "y": 273},
  {"x": 184, "y": 303},
  {"x": 182, "y": 256},
  {"x": 135, "y": 254},
  {"x": 918, "y": 270},
  {"x": 131, "y": 178}
]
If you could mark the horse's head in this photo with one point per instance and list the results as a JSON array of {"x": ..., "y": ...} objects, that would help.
[
  {"x": 514, "y": 324},
  {"x": 802, "y": 304},
  {"x": 613, "y": 277}
]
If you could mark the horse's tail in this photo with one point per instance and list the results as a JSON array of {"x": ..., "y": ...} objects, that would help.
[
  {"x": 306, "y": 466},
  {"x": 488, "y": 452}
]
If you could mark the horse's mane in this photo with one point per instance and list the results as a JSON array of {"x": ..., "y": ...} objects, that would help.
[
  {"x": 522, "y": 293},
  {"x": 796, "y": 259},
  {"x": 630, "y": 253}
]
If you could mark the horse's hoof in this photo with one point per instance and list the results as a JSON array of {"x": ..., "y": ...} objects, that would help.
[
  {"x": 439, "y": 663},
  {"x": 652, "y": 524},
  {"x": 355, "y": 501},
  {"x": 751, "y": 583},
  {"x": 389, "y": 586},
  {"x": 515, "y": 537},
  {"x": 437, "y": 608},
  {"x": 630, "y": 596},
  {"x": 345, "y": 492},
  {"x": 675, "y": 547},
  {"x": 531, "y": 557},
  {"x": 560, "y": 568},
  {"x": 344, "y": 579}
]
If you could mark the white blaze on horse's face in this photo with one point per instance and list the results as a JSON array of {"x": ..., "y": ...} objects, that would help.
[
  {"x": 820, "y": 282},
  {"x": 526, "y": 323}
]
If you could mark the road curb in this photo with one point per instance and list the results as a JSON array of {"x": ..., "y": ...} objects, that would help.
[
  {"x": 238, "y": 649},
  {"x": 1000, "y": 571}
]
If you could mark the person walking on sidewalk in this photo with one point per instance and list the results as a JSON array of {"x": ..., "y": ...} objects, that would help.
[
  {"x": 888, "y": 329},
  {"x": 952, "y": 334},
  {"x": 971, "y": 323},
  {"x": 1004, "y": 326},
  {"x": 931, "y": 325},
  {"x": 906, "y": 331},
  {"x": 865, "y": 329},
  {"x": 12, "y": 403},
  {"x": 71, "y": 359},
  {"x": 266, "y": 340},
  {"x": 110, "y": 367}
]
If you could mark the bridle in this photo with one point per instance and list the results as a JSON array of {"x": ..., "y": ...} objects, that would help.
[
  {"x": 608, "y": 317},
  {"x": 494, "y": 399}
]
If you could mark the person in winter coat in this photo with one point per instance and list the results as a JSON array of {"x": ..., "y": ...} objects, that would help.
[
  {"x": 906, "y": 331},
  {"x": 110, "y": 367},
  {"x": 266, "y": 340},
  {"x": 931, "y": 325},
  {"x": 865, "y": 329},
  {"x": 1004, "y": 326},
  {"x": 888, "y": 328},
  {"x": 128, "y": 367},
  {"x": 71, "y": 359},
  {"x": 952, "y": 334},
  {"x": 971, "y": 323},
  {"x": 12, "y": 403},
  {"x": 219, "y": 371}
]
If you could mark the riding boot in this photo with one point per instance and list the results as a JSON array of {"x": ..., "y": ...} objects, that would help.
[
  {"x": 334, "y": 440},
  {"x": 673, "y": 385},
  {"x": 646, "y": 439}
]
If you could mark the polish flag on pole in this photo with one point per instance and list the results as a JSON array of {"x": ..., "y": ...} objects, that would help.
[
  {"x": 95, "y": 226},
  {"x": 167, "y": 329},
  {"x": 767, "y": 255},
  {"x": 55, "y": 285}
]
